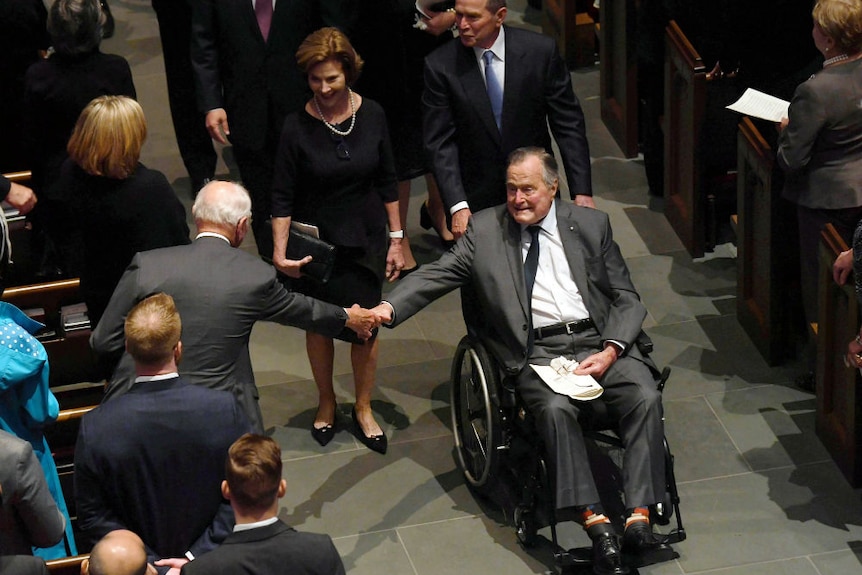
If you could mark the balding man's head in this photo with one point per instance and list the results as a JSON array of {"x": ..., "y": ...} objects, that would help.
[
  {"x": 223, "y": 207},
  {"x": 119, "y": 552}
]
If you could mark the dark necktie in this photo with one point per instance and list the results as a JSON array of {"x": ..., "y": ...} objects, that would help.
[
  {"x": 263, "y": 12},
  {"x": 495, "y": 90},
  {"x": 531, "y": 267}
]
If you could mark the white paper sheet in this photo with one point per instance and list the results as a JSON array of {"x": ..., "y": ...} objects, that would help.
[
  {"x": 759, "y": 105},
  {"x": 560, "y": 378}
]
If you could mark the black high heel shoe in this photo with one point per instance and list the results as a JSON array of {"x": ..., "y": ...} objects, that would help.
[
  {"x": 376, "y": 443},
  {"x": 323, "y": 435},
  {"x": 427, "y": 223}
]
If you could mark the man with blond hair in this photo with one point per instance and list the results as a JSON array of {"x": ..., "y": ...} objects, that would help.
[
  {"x": 151, "y": 460},
  {"x": 262, "y": 544}
]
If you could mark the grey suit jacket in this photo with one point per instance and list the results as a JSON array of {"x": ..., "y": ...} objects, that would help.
[
  {"x": 821, "y": 148},
  {"x": 488, "y": 257},
  {"x": 220, "y": 293},
  {"x": 28, "y": 513},
  {"x": 270, "y": 550},
  {"x": 466, "y": 149}
]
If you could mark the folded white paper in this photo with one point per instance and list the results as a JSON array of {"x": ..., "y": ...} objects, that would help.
[
  {"x": 561, "y": 378},
  {"x": 759, "y": 105}
]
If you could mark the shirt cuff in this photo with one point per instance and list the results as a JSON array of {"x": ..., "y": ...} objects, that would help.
[{"x": 458, "y": 207}]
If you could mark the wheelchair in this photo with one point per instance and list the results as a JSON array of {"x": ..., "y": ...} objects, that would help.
[{"x": 496, "y": 441}]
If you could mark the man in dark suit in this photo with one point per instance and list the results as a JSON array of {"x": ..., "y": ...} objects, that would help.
[
  {"x": 221, "y": 293},
  {"x": 22, "y": 565},
  {"x": 582, "y": 305},
  {"x": 262, "y": 544},
  {"x": 29, "y": 517},
  {"x": 151, "y": 460},
  {"x": 247, "y": 80},
  {"x": 469, "y": 133}
]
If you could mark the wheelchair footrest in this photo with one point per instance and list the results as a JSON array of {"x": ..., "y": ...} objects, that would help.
[{"x": 574, "y": 557}]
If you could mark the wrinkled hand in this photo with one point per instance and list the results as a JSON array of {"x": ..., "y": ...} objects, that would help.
[
  {"x": 217, "y": 126},
  {"x": 291, "y": 268},
  {"x": 598, "y": 363},
  {"x": 21, "y": 198},
  {"x": 439, "y": 22},
  {"x": 175, "y": 564},
  {"x": 361, "y": 321},
  {"x": 394, "y": 260},
  {"x": 842, "y": 267},
  {"x": 585, "y": 201},
  {"x": 782, "y": 124},
  {"x": 460, "y": 219},
  {"x": 383, "y": 311}
]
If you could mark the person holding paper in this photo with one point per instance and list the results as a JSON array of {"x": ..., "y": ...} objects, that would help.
[
  {"x": 582, "y": 305},
  {"x": 334, "y": 169},
  {"x": 820, "y": 144}
]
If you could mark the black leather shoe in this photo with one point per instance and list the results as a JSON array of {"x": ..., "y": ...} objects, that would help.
[
  {"x": 376, "y": 443},
  {"x": 323, "y": 435},
  {"x": 642, "y": 547},
  {"x": 607, "y": 558}
]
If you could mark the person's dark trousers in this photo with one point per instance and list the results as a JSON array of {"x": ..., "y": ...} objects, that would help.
[
  {"x": 195, "y": 144},
  {"x": 256, "y": 169}
]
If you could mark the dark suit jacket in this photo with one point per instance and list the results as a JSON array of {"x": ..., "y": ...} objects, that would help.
[
  {"x": 152, "y": 461},
  {"x": 488, "y": 258},
  {"x": 270, "y": 550},
  {"x": 22, "y": 565},
  {"x": 28, "y": 514},
  {"x": 258, "y": 83},
  {"x": 466, "y": 149},
  {"x": 220, "y": 293}
]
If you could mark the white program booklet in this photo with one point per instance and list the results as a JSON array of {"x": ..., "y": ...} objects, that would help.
[
  {"x": 561, "y": 378},
  {"x": 759, "y": 105}
]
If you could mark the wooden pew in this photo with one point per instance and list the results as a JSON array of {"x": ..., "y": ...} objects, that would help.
[
  {"x": 618, "y": 74},
  {"x": 66, "y": 565},
  {"x": 766, "y": 304},
  {"x": 70, "y": 357},
  {"x": 685, "y": 101},
  {"x": 839, "y": 388},
  {"x": 574, "y": 32}
]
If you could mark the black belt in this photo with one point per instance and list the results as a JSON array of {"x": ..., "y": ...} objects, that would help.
[{"x": 567, "y": 327}]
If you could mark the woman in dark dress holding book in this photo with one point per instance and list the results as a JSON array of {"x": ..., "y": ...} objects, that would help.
[{"x": 334, "y": 170}]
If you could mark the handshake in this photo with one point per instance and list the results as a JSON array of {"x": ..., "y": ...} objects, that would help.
[{"x": 364, "y": 321}]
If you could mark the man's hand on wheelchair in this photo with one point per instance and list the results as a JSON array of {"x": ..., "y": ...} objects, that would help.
[{"x": 598, "y": 363}]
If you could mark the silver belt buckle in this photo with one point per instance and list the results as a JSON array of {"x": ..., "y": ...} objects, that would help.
[{"x": 569, "y": 327}]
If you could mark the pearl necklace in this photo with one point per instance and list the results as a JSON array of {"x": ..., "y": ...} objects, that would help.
[
  {"x": 331, "y": 127},
  {"x": 834, "y": 59}
]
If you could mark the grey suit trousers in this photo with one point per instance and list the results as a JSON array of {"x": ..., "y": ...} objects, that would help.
[{"x": 631, "y": 398}]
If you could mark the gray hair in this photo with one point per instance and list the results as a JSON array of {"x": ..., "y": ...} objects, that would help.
[
  {"x": 222, "y": 203},
  {"x": 550, "y": 170},
  {"x": 75, "y": 26}
]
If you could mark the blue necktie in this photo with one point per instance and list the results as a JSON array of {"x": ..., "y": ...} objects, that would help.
[{"x": 495, "y": 90}]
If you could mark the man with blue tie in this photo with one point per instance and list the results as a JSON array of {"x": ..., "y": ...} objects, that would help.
[
  {"x": 550, "y": 281},
  {"x": 497, "y": 89}
]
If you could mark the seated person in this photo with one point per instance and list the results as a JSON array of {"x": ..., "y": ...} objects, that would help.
[
  {"x": 120, "y": 552},
  {"x": 151, "y": 460},
  {"x": 261, "y": 544},
  {"x": 579, "y": 281},
  {"x": 29, "y": 517}
]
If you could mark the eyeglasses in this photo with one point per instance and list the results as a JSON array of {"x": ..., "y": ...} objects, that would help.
[{"x": 341, "y": 149}]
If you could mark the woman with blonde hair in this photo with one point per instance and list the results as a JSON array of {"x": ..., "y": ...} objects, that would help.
[{"x": 112, "y": 206}]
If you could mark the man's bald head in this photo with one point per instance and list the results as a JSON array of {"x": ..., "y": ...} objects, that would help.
[{"x": 119, "y": 552}]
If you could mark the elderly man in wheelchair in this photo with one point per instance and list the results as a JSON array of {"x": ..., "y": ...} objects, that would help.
[{"x": 546, "y": 280}]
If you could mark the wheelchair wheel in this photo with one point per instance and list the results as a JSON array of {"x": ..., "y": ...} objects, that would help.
[
  {"x": 526, "y": 527},
  {"x": 475, "y": 417}
]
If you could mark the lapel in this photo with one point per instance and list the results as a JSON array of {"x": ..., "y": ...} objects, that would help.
[
  {"x": 467, "y": 71},
  {"x": 515, "y": 260},
  {"x": 516, "y": 59},
  {"x": 570, "y": 236}
]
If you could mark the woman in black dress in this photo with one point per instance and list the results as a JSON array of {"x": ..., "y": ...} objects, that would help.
[{"x": 335, "y": 170}]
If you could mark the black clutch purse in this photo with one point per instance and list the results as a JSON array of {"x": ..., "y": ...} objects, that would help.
[{"x": 322, "y": 255}]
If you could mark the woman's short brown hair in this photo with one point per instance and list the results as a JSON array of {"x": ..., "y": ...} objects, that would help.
[
  {"x": 108, "y": 137},
  {"x": 329, "y": 43},
  {"x": 841, "y": 20}
]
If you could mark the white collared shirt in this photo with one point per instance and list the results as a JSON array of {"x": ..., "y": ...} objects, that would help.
[
  {"x": 255, "y": 525},
  {"x": 212, "y": 235},
  {"x": 556, "y": 297},
  {"x": 498, "y": 48},
  {"x": 160, "y": 377}
]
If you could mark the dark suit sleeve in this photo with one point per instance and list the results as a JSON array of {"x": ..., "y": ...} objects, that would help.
[
  {"x": 109, "y": 336},
  {"x": 334, "y": 565},
  {"x": 205, "y": 57},
  {"x": 5, "y": 186},
  {"x": 807, "y": 117},
  {"x": 438, "y": 128},
  {"x": 295, "y": 309},
  {"x": 566, "y": 119},
  {"x": 43, "y": 522}
]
